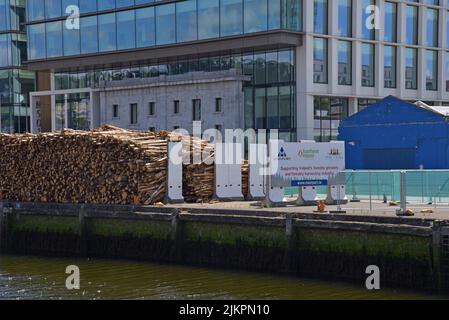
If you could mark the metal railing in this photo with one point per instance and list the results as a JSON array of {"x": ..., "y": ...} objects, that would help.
[{"x": 420, "y": 186}]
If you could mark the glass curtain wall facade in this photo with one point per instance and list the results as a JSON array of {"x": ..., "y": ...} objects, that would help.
[
  {"x": 15, "y": 81},
  {"x": 269, "y": 97},
  {"x": 407, "y": 57},
  {"x": 125, "y": 27}
]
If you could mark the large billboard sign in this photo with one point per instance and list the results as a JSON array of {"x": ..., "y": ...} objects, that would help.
[{"x": 306, "y": 164}]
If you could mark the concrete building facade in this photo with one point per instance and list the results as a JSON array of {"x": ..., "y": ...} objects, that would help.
[
  {"x": 300, "y": 66},
  {"x": 166, "y": 101}
]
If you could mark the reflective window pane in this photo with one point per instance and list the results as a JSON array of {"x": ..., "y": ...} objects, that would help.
[
  {"x": 54, "y": 39},
  {"x": 256, "y": 15},
  {"x": 208, "y": 19},
  {"x": 367, "y": 65},
  {"x": 186, "y": 21},
  {"x": 231, "y": 17},
  {"x": 89, "y": 35},
  {"x": 126, "y": 32},
  {"x": 165, "y": 24},
  {"x": 106, "y": 32},
  {"x": 145, "y": 27},
  {"x": 390, "y": 60}
]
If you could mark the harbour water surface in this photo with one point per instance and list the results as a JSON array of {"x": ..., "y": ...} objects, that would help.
[{"x": 44, "y": 278}]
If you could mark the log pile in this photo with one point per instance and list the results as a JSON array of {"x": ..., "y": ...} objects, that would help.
[{"x": 104, "y": 166}]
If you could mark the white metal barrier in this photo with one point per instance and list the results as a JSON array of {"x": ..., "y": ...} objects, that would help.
[
  {"x": 228, "y": 171},
  {"x": 336, "y": 194},
  {"x": 276, "y": 196},
  {"x": 174, "y": 173},
  {"x": 307, "y": 196},
  {"x": 258, "y": 160}
]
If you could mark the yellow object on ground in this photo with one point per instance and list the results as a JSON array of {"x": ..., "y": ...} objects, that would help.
[{"x": 159, "y": 204}]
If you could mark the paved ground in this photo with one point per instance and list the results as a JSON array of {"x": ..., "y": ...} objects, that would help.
[{"x": 440, "y": 212}]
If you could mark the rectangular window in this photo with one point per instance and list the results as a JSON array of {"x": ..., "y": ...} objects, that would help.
[
  {"x": 89, "y": 34},
  {"x": 218, "y": 104},
  {"x": 362, "y": 104},
  {"x": 344, "y": 63},
  {"x": 255, "y": 18},
  {"x": 133, "y": 113},
  {"x": 345, "y": 18},
  {"x": 447, "y": 70},
  {"x": 145, "y": 27},
  {"x": 292, "y": 15},
  {"x": 390, "y": 67},
  {"x": 152, "y": 129},
  {"x": 390, "y": 25},
  {"x": 36, "y": 42},
  {"x": 231, "y": 17},
  {"x": 176, "y": 106},
  {"x": 320, "y": 61},
  {"x": 107, "y": 35},
  {"x": 54, "y": 39},
  {"x": 151, "y": 109},
  {"x": 196, "y": 106},
  {"x": 432, "y": 28},
  {"x": 126, "y": 30},
  {"x": 328, "y": 113},
  {"x": 186, "y": 21},
  {"x": 320, "y": 16},
  {"x": 411, "y": 25},
  {"x": 208, "y": 19},
  {"x": 411, "y": 68},
  {"x": 368, "y": 65},
  {"x": 115, "y": 111},
  {"x": 431, "y": 70},
  {"x": 165, "y": 24},
  {"x": 368, "y": 28}
]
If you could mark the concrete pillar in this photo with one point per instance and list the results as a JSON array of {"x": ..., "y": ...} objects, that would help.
[
  {"x": 357, "y": 67},
  {"x": 333, "y": 17},
  {"x": 305, "y": 118},
  {"x": 307, "y": 8},
  {"x": 357, "y": 9},
  {"x": 442, "y": 55},
  {"x": 421, "y": 73},
  {"x": 400, "y": 51},
  {"x": 353, "y": 107},
  {"x": 304, "y": 84},
  {"x": 333, "y": 65},
  {"x": 379, "y": 64}
]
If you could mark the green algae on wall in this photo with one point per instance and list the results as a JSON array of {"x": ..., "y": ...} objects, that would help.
[
  {"x": 231, "y": 234},
  {"x": 362, "y": 243},
  {"x": 45, "y": 224},
  {"x": 138, "y": 229}
]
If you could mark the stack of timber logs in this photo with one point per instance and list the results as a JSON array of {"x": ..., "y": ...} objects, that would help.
[{"x": 108, "y": 165}]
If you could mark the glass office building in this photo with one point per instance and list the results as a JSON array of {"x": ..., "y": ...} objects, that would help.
[
  {"x": 267, "y": 98},
  {"x": 300, "y": 66},
  {"x": 15, "y": 81}
]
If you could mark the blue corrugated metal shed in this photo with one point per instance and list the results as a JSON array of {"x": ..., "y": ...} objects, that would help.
[{"x": 395, "y": 134}]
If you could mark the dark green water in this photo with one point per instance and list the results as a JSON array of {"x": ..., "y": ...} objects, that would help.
[{"x": 42, "y": 278}]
